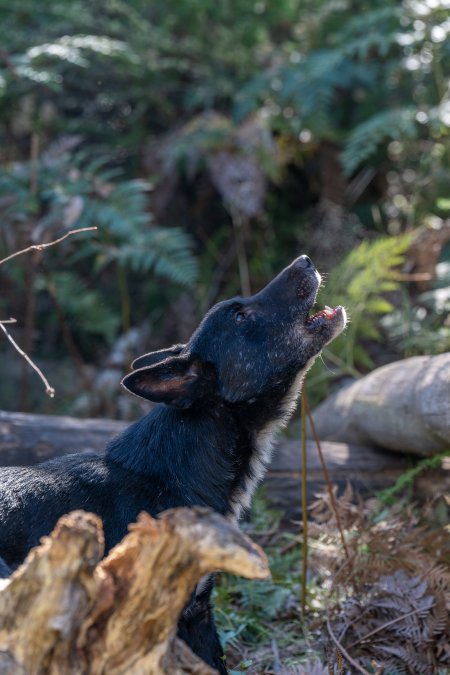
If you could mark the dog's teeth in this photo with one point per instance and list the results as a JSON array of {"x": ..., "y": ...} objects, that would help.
[{"x": 328, "y": 308}]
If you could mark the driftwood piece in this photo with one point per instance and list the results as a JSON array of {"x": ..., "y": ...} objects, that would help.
[
  {"x": 66, "y": 612},
  {"x": 402, "y": 406},
  {"x": 27, "y": 439}
]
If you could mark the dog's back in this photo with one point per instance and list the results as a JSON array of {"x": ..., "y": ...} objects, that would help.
[{"x": 33, "y": 498}]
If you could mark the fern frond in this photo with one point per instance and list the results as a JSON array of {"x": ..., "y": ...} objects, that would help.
[
  {"x": 364, "y": 140},
  {"x": 358, "y": 283},
  {"x": 396, "y": 607},
  {"x": 69, "y": 48}
]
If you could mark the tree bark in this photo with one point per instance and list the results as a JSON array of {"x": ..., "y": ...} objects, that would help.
[{"x": 67, "y": 612}]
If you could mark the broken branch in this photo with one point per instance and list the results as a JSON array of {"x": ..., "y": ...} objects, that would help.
[
  {"x": 41, "y": 247},
  {"x": 48, "y": 389},
  {"x": 36, "y": 247}
]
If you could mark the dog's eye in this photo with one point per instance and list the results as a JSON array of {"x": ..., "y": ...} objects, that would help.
[{"x": 239, "y": 316}]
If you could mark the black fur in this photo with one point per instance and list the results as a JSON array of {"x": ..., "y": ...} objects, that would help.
[
  {"x": 221, "y": 397},
  {"x": 5, "y": 571}
]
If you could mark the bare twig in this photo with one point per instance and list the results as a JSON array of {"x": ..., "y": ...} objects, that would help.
[
  {"x": 344, "y": 653},
  {"x": 36, "y": 247},
  {"x": 48, "y": 389},
  {"x": 41, "y": 247},
  {"x": 415, "y": 276},
  {"x": 304, "y": 504},
  {"x": 326, "y": 474}
]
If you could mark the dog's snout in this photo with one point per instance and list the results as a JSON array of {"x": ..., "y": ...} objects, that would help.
[{"x": 305, "y": 261}]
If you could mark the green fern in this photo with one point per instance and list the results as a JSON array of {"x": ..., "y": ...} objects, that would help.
[
  {"x": 86, "y": 309},
  {"x": 165, "y": 251},
  {"x": 359, "y": 283},
  {"x": 37, "y": 63},
  {"x": 355, "y": 40},
  {"x": 389, "y": 496},
  {"x": 312, "y": 88},
  {"x": 74, "y": 192},
  {"x": 119, "y": 208},
  {"x": 365, "y": 138},
  {"x": 246, "y": 609}
]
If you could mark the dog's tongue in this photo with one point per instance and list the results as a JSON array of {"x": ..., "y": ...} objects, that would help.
[{"x": 327, "y": 313}]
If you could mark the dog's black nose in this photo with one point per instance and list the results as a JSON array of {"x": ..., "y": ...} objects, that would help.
[{"x": 304, "y": 261}]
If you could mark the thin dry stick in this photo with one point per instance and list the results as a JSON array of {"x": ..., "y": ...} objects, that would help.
[
  {"x": 344, "y": 653},
  {"x": 36, "y": 247},
  {"x": 326, "y": 474},
  {"x": 304, "y": 504},
  {"x": 41, "y": 247},
  {"x": 48, "y": 389}
]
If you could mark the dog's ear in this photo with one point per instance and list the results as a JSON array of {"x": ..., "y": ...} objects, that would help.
[
  {"x": 156, "y": 357},
  {"x": 177, "y": 381}
]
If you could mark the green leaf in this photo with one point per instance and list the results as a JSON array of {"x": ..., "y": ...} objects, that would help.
[
  {"x": 379, "y": 306},
  {"x": 365, "y": 138},
  {"x": 443, "y": 203}
]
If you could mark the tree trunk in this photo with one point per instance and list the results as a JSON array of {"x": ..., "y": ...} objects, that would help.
[{"x": 67, "y": 612}]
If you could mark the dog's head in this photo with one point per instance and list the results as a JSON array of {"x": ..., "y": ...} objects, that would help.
[{"x": 244, "y": 348}]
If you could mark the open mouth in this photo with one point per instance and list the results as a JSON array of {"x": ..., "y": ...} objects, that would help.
[{"x": 323, "y": 317}]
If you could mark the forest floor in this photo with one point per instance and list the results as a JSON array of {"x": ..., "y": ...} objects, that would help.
[{"x": 382, "y": 602}]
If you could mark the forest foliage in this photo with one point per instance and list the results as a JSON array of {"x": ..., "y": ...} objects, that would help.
[{"x": 209, "y": 142}]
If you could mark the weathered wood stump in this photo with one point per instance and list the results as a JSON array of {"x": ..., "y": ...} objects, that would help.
[
  {"x": 67, "y": 612},
  {"x": 27, "y": 439}
]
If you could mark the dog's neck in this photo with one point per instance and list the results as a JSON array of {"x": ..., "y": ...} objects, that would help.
[
  {"x": 214, "y": 455},
  {"x": 194, "y": 451}
]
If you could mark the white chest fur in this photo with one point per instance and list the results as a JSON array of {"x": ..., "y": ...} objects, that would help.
[{"x": 263, "y": 444}]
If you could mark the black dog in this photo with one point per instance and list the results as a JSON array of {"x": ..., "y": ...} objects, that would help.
[{"x": 222, "y": 397}]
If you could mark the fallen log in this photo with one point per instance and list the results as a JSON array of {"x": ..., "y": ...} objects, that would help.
[
  {"x": 67, "y": 612},
  {"x": 402, "y": 406},
  {"x": 27, "y": 439},
  {"x": 367, "y": 470}
]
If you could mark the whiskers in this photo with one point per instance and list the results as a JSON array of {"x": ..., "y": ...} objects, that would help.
[{"x": 326, "y": 366}]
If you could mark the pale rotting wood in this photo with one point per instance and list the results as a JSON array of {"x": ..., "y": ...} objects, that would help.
[{"x": 67, "y": 611}]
